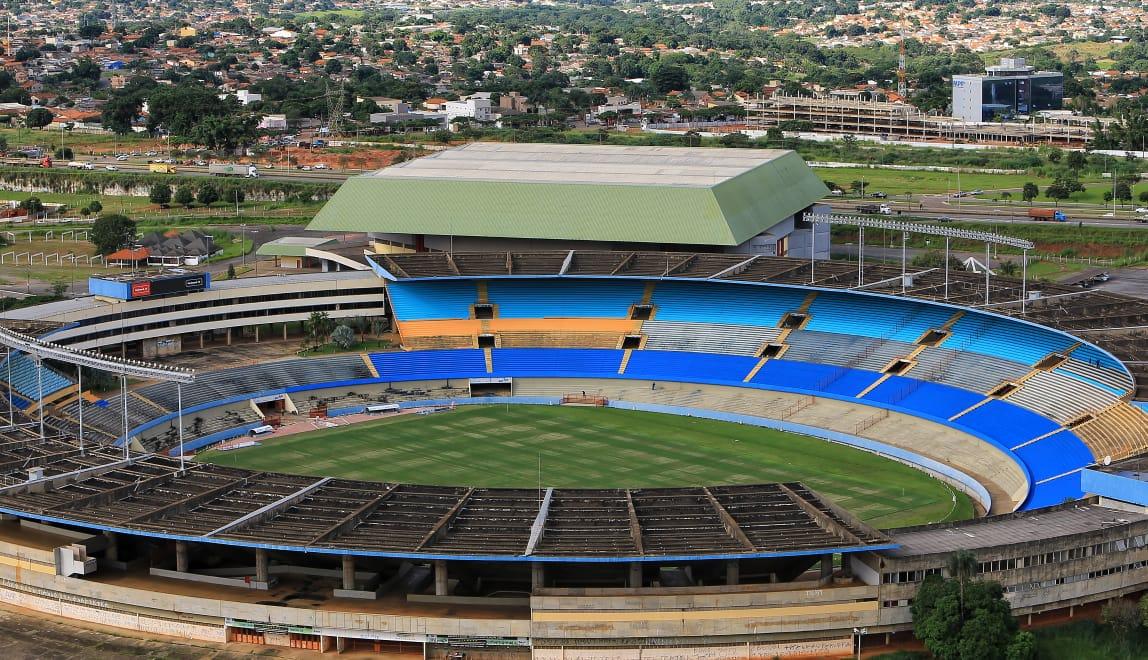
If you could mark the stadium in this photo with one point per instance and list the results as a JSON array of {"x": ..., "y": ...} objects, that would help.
[{"x": 635, "y": 449}]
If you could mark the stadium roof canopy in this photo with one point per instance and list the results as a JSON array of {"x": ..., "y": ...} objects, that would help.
[{"x": 664, "y": 195}]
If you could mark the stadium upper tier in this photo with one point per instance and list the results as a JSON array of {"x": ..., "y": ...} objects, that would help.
[{"x": 839, "y": 313}]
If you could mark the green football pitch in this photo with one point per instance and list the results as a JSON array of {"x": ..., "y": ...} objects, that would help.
[{"x": 582, "y": 447}]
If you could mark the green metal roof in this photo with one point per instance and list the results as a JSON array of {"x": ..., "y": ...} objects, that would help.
[{"x": 728, "y": 212}]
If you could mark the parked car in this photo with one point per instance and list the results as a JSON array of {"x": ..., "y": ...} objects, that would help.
[
  {"x": 1142, "y": 209},
  {"x": 111, "y": 168},
  {"x": 879, "y": 195}
]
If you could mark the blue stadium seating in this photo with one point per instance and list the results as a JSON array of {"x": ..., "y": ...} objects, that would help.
[
  {"x": 558, "y": 362},
  {"x": 814, "y": 377},
  {"x": 932, "y": 399},
  {"x": 681, "y": 365},
  {"x": 1006, "y": 423},
  {"x": 24, "y": 379},
  {"x": 870, "y": 316},
  {"x": 1005, "y": 338},
  {"x": 438, "y": 299},
  {"x": 564, "y": 298},
  {"x": 1055, "y": 491},
  {"x": 1052, "y": 456},
  {"x": 737, "y": 304},
  {"x": 419, "y": 365}
]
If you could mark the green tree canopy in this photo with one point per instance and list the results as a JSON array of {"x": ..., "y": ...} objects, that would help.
[
  {"x": 112, "y": 232},
  {"x": 160, "y": 194},
  {"x": 964, "y": 619},
  {"x": 38, "y": 117}
]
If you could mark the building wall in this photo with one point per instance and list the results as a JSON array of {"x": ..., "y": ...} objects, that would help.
[
  {"x": 1037, "y": 576},
  {"x": 217, "y": 309}
]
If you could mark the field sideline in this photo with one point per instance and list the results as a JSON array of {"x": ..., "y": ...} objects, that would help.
[{"x": 500, "y": 446}]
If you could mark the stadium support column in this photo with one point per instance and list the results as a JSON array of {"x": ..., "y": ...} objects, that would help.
[
  {"x": 441, "y": 584},
  {"x": 635, "y": 578},
  {"x": 112, "y": 551},
  {"x": 229, "y": 336},
  {"x": 732, "y": 572},
  {"x": 348, "y": 573},
  {"x": 181, "y": 556},
  {"x": 537, "y": 576},
  {"x": 261, "y": 572},
  {"x": 826, "y": 566}
]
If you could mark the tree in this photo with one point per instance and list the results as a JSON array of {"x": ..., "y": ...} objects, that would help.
[
  {"x": 33, "y": 206},
  {"x": 112, "y": 232},
  {"x": 184, "y": 196},
  {"x": 1023, "y": 647},
  {"x": 670, "y": 77},
  {"x": 1123, "y": 616},
  {"x": 208, "y": 194},
  {"x": 38, "y": 118},
  {"x": 849, "y": 141},
  {"x": 319, "y": 326},
  {"x": 59, "y": 289},
  {"x": 160, "y": 194},
  {"x": 1006, "y": 196},
  {"x": 231, "y": 271},
  {"x": 1123, "y": 192},
  {"x": 1062, "y": 187},
  {"x": 1076, "y": 160},
  {"x": 962, "y": 568},
  {"x": 343, "y": 337},
  {"x": 95, "y": 206},
  {"x": 1009, "y": 268},
  {"x": 1143, "y": 196},
  {"x": 960, "y": 618},
  {"x": 1029, "y": 192},
  {"x": 856, "y": 187},
  {"x": 64, "y": 153}
]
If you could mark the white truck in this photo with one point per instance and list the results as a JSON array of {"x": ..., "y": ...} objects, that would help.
[
  {"x": 233, "y": 169},
  {"x": 80, "y": 165}
]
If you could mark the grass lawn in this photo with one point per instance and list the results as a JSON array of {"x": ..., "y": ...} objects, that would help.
[
  {"x": 896, "y": 183},
  {"x": 500, "y": 446},
  {"x": 1089, "y": 640}
]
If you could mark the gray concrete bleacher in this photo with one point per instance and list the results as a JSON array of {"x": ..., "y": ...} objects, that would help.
[{"x": 706, "y": 337}]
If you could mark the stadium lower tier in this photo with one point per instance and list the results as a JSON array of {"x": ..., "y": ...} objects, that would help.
[{"x": 1048, "y": 454}]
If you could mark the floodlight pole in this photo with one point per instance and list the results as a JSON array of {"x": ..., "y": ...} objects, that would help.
[
  {"x": 904, "y": 258},
  {"x": 11, "y": 411},
  {"x": 812, "y": 252},
  {"x": 124, "y": 399},
  {"x": 947, "y": 239},
  {"x": 179, "y": 412},
  {"x": 988, "y": 246},
  {"x": 1023, "y": 281},
  {"x": 860, "y": 256},
  {"x": 80, "y": 403},
  {"x": 40, "y": 393}
]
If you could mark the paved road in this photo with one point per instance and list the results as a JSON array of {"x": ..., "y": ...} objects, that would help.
[{"x": 277, "y": 174}]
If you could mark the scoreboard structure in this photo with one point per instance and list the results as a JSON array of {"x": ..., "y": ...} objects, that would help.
[{"x": 141, "y": 287}]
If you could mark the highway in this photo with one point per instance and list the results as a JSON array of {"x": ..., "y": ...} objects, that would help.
[
  {"x": 276, "y": 174},
  {"x": 939, "y": 206}
]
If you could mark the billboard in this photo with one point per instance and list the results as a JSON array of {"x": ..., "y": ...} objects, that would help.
[{"x": 166, "y": 286}]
